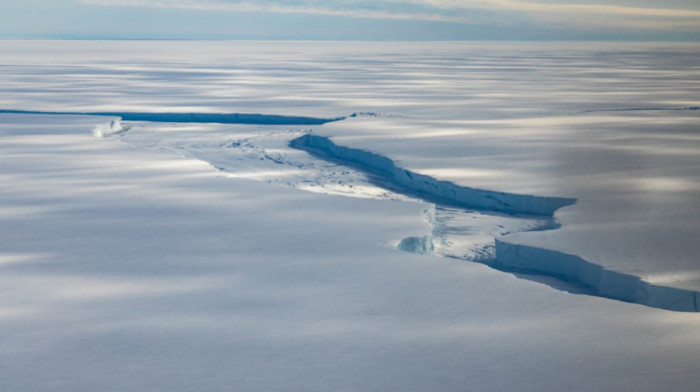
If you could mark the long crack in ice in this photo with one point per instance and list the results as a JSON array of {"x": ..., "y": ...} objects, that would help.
[
  {"x": 456, "y": 214},
  {"x": 572, "y": 272}
]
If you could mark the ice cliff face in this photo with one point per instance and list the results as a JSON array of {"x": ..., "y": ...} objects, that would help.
[
  {"x": 113, "y": 127},
  {"x": 602, "y": 282},
  {"x": 434, "y": 190},
  {"x": 221, "y": 118}
]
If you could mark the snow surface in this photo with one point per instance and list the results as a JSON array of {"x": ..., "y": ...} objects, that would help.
[{"x": 168, "y": 257}]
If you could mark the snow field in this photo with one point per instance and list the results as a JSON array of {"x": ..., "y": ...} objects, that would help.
[
  {"x": 149, "y": 260},
  {"x": 127, "y": 268}
]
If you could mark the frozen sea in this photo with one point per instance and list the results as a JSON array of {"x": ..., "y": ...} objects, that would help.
[{"x": 349, "y": 216}]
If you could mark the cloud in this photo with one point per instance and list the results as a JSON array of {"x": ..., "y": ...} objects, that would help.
[
  {"x": 591, "y": 14},
  {"x": 360, "y": 9},
  {"x": 581, "y": 15}
]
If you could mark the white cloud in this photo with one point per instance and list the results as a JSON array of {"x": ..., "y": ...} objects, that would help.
[
  {"x": 343, "y": 8},
  {"x": 579, "y": 15}
]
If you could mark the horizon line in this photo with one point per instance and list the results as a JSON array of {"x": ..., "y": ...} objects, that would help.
[{"x": 214, "y": 39}]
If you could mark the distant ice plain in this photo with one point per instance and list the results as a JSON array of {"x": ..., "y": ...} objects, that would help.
[{"x": 510, "y": 117}]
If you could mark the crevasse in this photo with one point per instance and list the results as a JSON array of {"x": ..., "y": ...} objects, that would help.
[{"x": 509, "y": 256}]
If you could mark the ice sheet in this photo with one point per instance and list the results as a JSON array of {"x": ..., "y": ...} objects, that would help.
[{"x": 128, "y": 266}]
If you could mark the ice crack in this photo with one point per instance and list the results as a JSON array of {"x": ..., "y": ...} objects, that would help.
[
  {"x": 573, "y": 273},
  {"x": 221, "y": 118},
  {"x": 429, "y": 188}
]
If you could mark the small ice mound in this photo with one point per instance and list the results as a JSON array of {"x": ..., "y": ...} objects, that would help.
[
  {"x": 114, "y": 127},
  {"x": 421, "y": 245}
]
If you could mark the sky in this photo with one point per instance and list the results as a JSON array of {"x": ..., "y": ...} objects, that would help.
[{"x": 641, "y": 20}]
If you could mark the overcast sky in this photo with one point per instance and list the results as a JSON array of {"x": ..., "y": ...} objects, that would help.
[{"x": 353, "y": 19}]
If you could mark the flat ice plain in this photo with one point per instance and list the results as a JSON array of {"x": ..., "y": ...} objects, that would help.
[{"x": 190, "y": 256}]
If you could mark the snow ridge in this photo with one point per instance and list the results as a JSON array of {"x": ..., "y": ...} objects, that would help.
[
  {"x": 509, "y": 257},
  {"x": 221, "y": 118}
]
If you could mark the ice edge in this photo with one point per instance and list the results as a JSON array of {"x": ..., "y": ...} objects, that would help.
[
  {"x": 444, "y": 192},
  {"x": 602, "y": 282},
  {"x": 509, "y": 256},
  {"x": 220, "y": 118}
]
